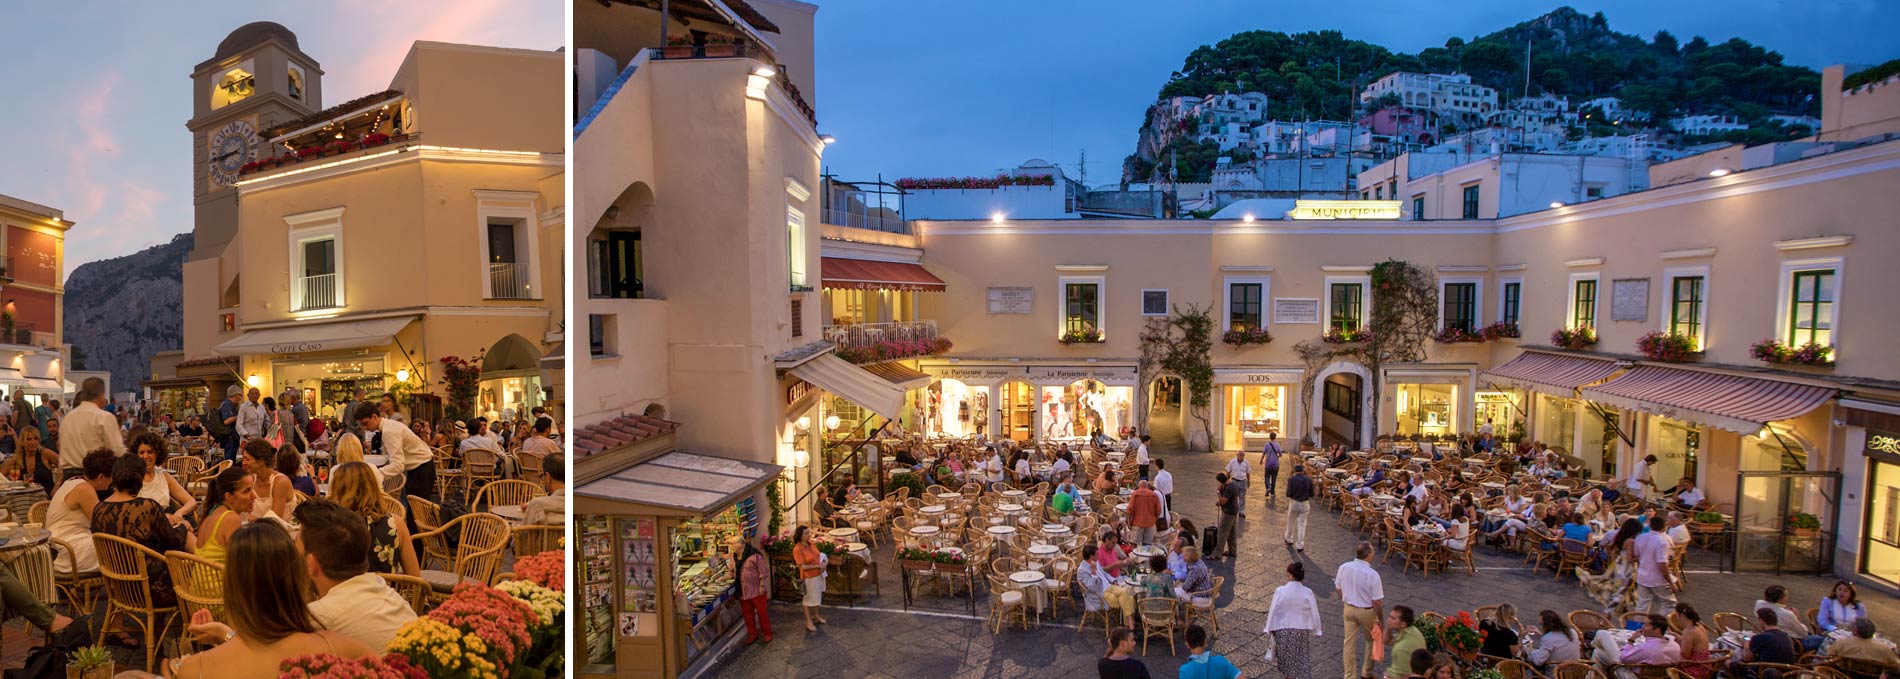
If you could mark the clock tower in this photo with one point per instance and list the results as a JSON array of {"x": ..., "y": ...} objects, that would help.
[{"x": 258, "y": 79}]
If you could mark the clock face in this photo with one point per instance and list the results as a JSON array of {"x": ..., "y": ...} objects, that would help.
[{"x": 230, "y": 148}]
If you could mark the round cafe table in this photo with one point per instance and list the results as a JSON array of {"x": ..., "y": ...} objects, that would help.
[
  {"x": 376, "y": 460},
  {"x": 949, "y": 496},
  {"x": 1149, "y": 551},
  {"x": 844, "y": 534},
  {"x": 1044, "y": 550},
  {"x": 1121, "y": 507},
  {"x": 16, "y": 538},
  {"x": 1013, "y": 493},
  {"x": 1056, "y": 529},
  {"x": 1001, "y": 531},
  {"x": 1009, "y": 508},
  {"x": 1031, "y": 584},
  {"x": 1492, "y": 484},
  {"x": 510, "y": 513},
  {"x": 1422, "y": 460},
  {"x": 932, "y": 509}
]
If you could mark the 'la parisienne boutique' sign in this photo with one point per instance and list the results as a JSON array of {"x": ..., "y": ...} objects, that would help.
[{"x": 1344, "y": 209}]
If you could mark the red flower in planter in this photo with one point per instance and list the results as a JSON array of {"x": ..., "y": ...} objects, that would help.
[{"x": 309, "y": 151}]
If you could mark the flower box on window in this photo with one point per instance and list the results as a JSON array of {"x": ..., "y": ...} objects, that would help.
[
  {"x": 718, "y": 45},
  {"x": 1246, "y": 337},
  {"x": 1670, "y": 347},
  {"x": 1457, "y": 335},
  {"x": 1574, "y": 338},
  {"x": 1082, "y": 336},
  {"x": 678, "y": 47},
  {"x": 1344, "y": 336},
  {"x": 1500, "y": 330},
  {"x": 1779, "y": 352}
]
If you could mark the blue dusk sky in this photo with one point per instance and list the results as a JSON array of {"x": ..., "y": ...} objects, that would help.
[
  {"x": 98, "y": 92},
  {"x": 969, "y": 88}
]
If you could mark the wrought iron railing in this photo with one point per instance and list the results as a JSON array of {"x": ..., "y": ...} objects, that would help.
[
  {"x": 867, "y": 335},
  {"x": 323, "y": 291},
  {"x": 508, "y": 280}
]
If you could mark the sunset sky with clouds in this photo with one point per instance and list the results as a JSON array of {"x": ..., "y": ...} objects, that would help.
[{"x": 99, "y": 92}]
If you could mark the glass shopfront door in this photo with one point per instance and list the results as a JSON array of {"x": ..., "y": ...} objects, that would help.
[
  {"x": 1251, "y": 412},
  {"x": 1880, "y": 540},
  {"x": 1426, "y": 409}
]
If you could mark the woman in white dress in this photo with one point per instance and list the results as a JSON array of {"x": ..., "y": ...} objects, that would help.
[
  {"x": 160, "y": 486},
  {"x": 69, "y": 517},
  {"x": 1293, "y": 620}
]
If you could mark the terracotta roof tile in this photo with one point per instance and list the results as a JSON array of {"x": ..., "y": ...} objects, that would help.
[{"x": 620, "y": 432}]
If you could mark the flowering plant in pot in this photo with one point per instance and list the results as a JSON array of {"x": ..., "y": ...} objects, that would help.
[
  {"x": 375, "y": 139},
  {"x": 1776, "y": 351},
  {"x": 1345, "y": 336},
  {"x": 720, "y": 45},
  {"x": 1243, "y": 337},
  {"x": 1574, "y": 338},
  {"x": 309, "y": 152},
  {"x": 1671, "y": 347},
  {"x": 1803, "y": 523},
  {"x": 1499, "y": 330},
  {"x": 1454, "y": 334},
  {"x": 1459, "y": 634},
  {"x": 1086, "y": 335},
  {"x": 678, "y": 47},
  {"x": 1709, "y": 519}
]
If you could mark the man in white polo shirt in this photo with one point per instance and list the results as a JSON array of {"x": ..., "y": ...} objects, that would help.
[
  {"x": 1238, "y": 472},
  {"x": 1363, "y": 592}
]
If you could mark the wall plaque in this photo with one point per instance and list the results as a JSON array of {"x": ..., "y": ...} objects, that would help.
[
  {"x": 1629, "y": 299},
  {"x": 1011, "y": 300},
  {"x": 1295, "y": 310}
]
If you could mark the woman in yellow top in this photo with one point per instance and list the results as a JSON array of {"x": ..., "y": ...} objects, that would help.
[
  {"x": 811, "y": 570},
  {"x": 229, "y": 499}
]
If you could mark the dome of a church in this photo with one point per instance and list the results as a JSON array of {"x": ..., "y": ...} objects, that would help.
[{"x": 251, "y": 34}]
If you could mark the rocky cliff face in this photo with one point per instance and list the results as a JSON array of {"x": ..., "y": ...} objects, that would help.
[{"x": 120, "y": 311}]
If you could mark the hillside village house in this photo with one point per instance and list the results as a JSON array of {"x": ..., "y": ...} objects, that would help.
[
  {"x": 358, "y": 245},
  {"x": 33, "y": 352}
]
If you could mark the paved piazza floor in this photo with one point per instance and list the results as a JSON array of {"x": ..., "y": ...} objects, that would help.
[{"x": 938, "y": 639}]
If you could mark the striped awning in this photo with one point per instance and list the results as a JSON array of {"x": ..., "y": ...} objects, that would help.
[
  {"x": 900, "y": 375},
  {"x": 864, "y": 274},
  {"x": 1554, "y": 374},
  {"x": 1737, "y": 403}
]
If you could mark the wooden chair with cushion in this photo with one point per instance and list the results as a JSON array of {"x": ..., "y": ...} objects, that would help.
[
  {"x": 509, "y": 493},
  {"x": 476, "y": 559},
  {"x": 125, "y": 566},
  {"x": 1157, "y": 620},
  {"x": 1588, "y": 623},
  {"x": 1006, "y": 602},
  {"x": 412, "y": 589},
  {"x": 199, "y": 584}
]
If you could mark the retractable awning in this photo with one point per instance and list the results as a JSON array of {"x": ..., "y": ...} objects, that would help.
[
  {"x": 855, "y": 384},
  {"x": 682, "y": 484},
  {"x": 316, "y": 336},
  {"x": 1737, "y": 403},
  {"x": 864, "y": 274},
  {"x": 1553, "y": 374},
  {"x": 45, "y": 384},
  {"x": 900, "y": 375}
]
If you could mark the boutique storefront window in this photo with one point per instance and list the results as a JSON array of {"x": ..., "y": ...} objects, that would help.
[
  {"x": 1677, "y": 446},
  {"x": 1084, "y": 407},
  {"x": 953, "y": 408},
  {"x": 1018, "y": 412},
  {"x": 510, "y": 398},
  {"x": 1501, "y": 408},
  {"x": 1880, "y": 542},
  {"x": 180, "y": 402},
  {"x": 1250, "y": 413},
  {"x": 1599, "y": 445},
  {"x": 1426, "y": 409},
  {"x": 1556, "y": 421},
  {"x": 326, "y": 383}
]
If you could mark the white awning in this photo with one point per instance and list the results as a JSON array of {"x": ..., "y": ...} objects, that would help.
[
  {"x": 316, "y": 336},
  {"x": 44, "y": 383},
  {"x": 855, "y": 384}
]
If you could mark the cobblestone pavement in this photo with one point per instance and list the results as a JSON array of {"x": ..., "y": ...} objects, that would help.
[{"x": 939, "y": 638}]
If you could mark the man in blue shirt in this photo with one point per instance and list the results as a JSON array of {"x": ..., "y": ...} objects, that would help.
[
  {"x": 1270, "y": 461},
  {"x": 1202, "y": 663}
]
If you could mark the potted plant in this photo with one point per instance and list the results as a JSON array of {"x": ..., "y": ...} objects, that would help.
[
  {"x": 721, "y": 45},
  {"x": 1706, "y": 518},
  {"x": 678, "y": 47},
  {"x": 1243, "y": 337},
  {"x": 1781, "y": 353},
  {"x": 1803, "y": 524},
  {"x": 1086, "y": 335},
  {"x": 905, "y": 480},
  {"x": 1459, "y": 636},
  {"x": 1668, "y": 347},
  {"x": 1574, "y": 338},
  {"x": 1345, "y": 336},
  {"x": 90, "y": 662},
  {"x": 375, "y": 139},
  {"x": 1499, "y": 330},
  {"x": 1454, "y": 335}
]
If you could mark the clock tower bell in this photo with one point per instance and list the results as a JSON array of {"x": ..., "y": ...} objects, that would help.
[{"x": 257, "y": 80}]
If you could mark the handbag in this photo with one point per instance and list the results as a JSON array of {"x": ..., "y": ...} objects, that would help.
[
  {"x": 1378, "y": 643},
  {"x": 1270, "y": 643}
]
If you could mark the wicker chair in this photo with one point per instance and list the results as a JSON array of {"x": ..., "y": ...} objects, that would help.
[
  {"x": 393, "y": 505},
  {"x": 1575, "y": 670},
  {"x": 1588, "y": 623},
  {"x": 413, "y": 590},
  {"x": 1449, "y": 555},
  {"x": 37, "y": 513},
  {"x": 478, "y": 468},
  {"x": 79, "y": 590},
  {"x": 448, "y": 472},
  {"x": 186, "y": 467},
  {"x": 531, "y": 540},
  {"x": 1627, "y": 618},
  {"x": 529, "y": 466},
  {"x": 125, "y": 565},
  {"x": 1733, "y": 622},
  {"x": 1536, "y": 554},
  {"x": 1106, "y": 613},
  {"x": 1572, "y": 555},
  {"x": 199, "y": 584},
  {"x": 1157, "y": 620},
  {"x": 1856, "y": 668},
  {"x": 1006, "y": 601},
  {"x": 395, "y": 484},
  {"x": 1641, "y": 671},
  {"x": 1205, "y": 605},
  {"x": 1516, "y": 669},
  {"x": 509, "y": 493},
  {"x": 476, "y": 558}
]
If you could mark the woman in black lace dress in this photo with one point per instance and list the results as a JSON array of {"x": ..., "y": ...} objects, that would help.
[{"x": 125, "y": 514}]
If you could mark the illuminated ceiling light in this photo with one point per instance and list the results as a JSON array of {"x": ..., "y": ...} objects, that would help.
[
  {"x": 804, "y": 423},
  {"x": 765, "y": 71},
  {"x": 1556, "y": 203},
  {"x": 827, "y": 139},
  {"x": 832, "y": 422},
  {"x": 402, "y": 375},
  {"x": 755, "y": 86},
  {"x": 1719, "y": 172},
  {"x": 253, "y": 380}
]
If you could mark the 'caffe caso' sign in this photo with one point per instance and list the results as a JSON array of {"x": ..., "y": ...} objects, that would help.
[{"x": 1883, "y": 443}]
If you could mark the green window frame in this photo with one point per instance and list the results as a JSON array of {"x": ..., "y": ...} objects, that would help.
[
  {"x": 1513, "y": 302},
  {"x": 1348, "y": 307},
  {"x": 1081, "y": 306},
  {"x": 1811, "y": 311},
  {"x": 1583, "y": 312},
  {"x": 1418, "y": 208},
  {"x": 1461, "y": 306},
  {"x": 1471, "y": 202},
  {"x": 1685, "y": 308},
  {"x": 1243, "y": 310}
]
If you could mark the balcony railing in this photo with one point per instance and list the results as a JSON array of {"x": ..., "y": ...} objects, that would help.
[
  {"x": 745, "y": 49},
  {"x": 875, "y": 342},
  {"x": 316, "y": 292},
  {"x": 508, "y": 280}
]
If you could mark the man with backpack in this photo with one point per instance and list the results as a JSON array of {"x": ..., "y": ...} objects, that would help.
[{"x": 1270, "y": 462}]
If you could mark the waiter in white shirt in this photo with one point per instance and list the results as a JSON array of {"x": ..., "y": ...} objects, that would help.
[
  {"x": 1141, "y": 456},
  {"x": 1363, "y": 591},
  {"x": 408, "y": 454},
  {"x": 1164, "y": 485},
  {"x": 1238, "y": 471},
  {"x": 1639, "y": 484}
]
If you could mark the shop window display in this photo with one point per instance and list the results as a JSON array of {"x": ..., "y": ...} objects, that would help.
[
  {"x": 1881, "y": 554},
  {"x": 1084, "y": 407},
  {"x": 955, "y": 409},
  {"x": 1677, "y": 446},
  {"x": 1253, "y": 412},
  {"x": 1426, "y": 409},
  {"x": 1557, "y": 421}
]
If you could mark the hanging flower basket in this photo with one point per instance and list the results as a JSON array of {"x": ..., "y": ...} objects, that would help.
[
  {"x": 1669, "y": 347},
  {"x": 1499, "y": 330},
  {"x": 1456, "y": 335},
  {"x": 1778, "y": 352},
  {"x": 1083, "y": 336},
  {"x": 1574, "y": 338},
  {"x": 1245, "y": 337},
  {"x": 1343, "y": 336}
]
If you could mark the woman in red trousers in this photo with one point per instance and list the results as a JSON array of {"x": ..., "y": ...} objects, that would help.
[{"x": 755, "y": 588}]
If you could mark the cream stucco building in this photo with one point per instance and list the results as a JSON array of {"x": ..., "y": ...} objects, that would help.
[{"x": 359, "y": 245}]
